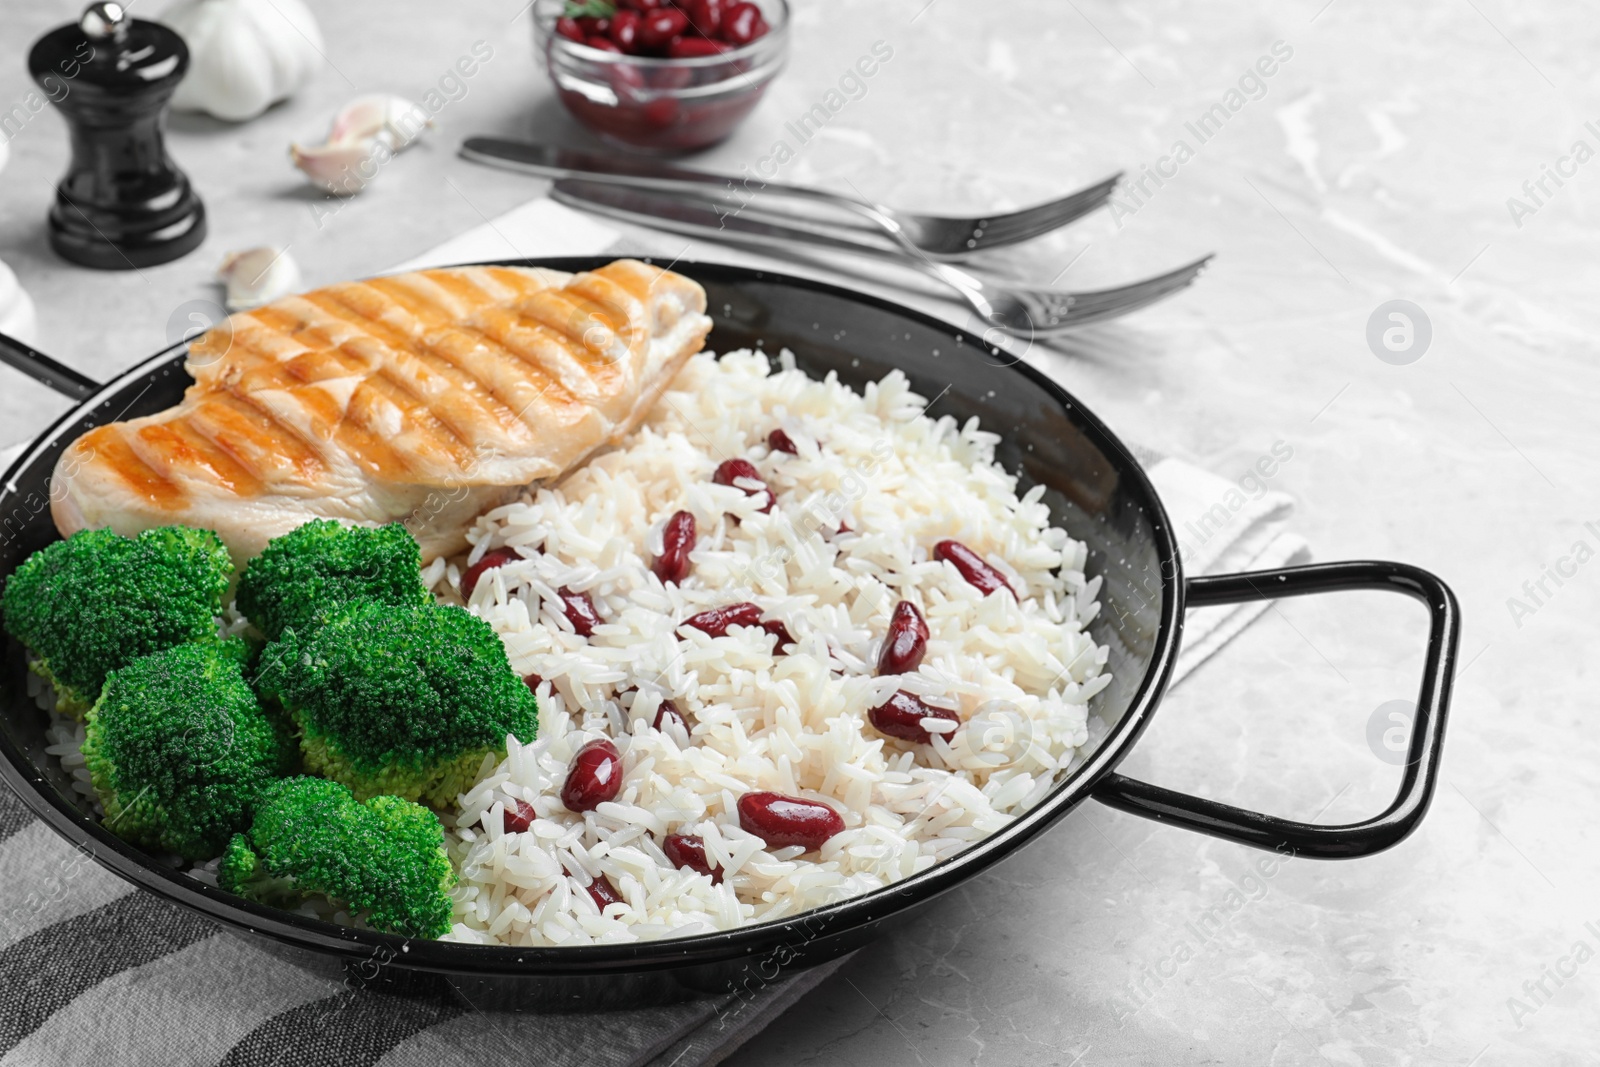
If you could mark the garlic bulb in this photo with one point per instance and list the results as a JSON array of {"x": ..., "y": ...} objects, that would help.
[
  {"x": 244, "y": 55},
  {"x": 365, "y": 135},
  {"x": 258, "y": 276}
]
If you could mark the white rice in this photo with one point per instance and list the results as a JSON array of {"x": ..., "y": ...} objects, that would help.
[{"x": 1017, "y": 672}]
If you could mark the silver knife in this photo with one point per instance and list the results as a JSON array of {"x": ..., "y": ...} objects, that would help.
[{"x": 929, "y": 236}]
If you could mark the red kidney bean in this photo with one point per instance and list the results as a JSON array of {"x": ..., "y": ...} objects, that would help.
[
  {"x": 669, "y": 77},
  {"x": 604, "y": 44},
  {"x": 579, "y": 610},
  {"x": 570, "y": 29},
  {"x": 668, "y": 713},
  {"x": 532, "y": 681},
  {"x": 625, "y": 29},
  {"x": 519, "y": 815},
  {"x": 687, "y": 850},
  {"x": 715, "y": 621},
  {"x": 902, "y": 714},
  {"x": 905, "y": 643},
  {"x": 779, "y": 441},
  {"x": 742, "y": 23},
  {"x": 704, "y": 15},
  {"x": 781, "y": 821},
  {"x": 627, "y": 81},
  {"x": 601, "y": 891},
  {"x": 677, "y": 541},
  {"x": 661, "y": 112},
  {"x": 972, "y": 566},
  {"x": 661, "y": 26},
  {"x": 495, "y": 557},
  {"x": 694, "y": 48},
  {"x": 744, "y": 470},
  {"x": 595, "y": 776},
  {"x": 777, "y": 629}
]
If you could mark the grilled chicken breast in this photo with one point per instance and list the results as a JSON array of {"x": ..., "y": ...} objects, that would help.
[{"x": 426, "y": 397}]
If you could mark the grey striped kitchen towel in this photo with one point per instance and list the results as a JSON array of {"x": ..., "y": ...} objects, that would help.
[{"x": 94, "y": 972}]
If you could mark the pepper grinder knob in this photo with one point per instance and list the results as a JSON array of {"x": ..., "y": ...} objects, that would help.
[
  {"x": 105, "y": 19},
  {"x": 123, "y": 203}
]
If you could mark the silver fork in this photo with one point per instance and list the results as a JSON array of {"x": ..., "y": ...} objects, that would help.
[
  {"x": 1026, "y": 311},
  {"x": 934, "y": 236}
]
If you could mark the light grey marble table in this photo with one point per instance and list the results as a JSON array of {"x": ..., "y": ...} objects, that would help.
[{"x": 1385, "y": 157}]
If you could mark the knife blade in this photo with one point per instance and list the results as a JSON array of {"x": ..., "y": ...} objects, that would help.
[
  {"x": 550, "y": 161},
  {"x": 696, "y": 216}
]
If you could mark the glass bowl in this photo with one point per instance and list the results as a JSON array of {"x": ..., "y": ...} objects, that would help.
[{"x": 661, "y": 106}]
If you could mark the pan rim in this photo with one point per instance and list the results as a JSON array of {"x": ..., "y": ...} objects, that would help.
[{"x": 472, "y": 960}]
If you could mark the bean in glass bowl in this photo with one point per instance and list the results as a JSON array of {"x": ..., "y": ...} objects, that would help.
[{"x": 661, "y": 76}]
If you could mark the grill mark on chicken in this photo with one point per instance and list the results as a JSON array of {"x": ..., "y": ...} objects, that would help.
[
  {"x": 606, "y": 337},
  {"x": 329, "y": 422},
  {"x": 475, "y": 369},
  {"x": 430, "y": 367},
  {"x": 256, "y": 440},
  {"x": 410, "y": 393},
  {"x": 108, "y": 445},
  {"x": 517, "y": 361},
  {"x": 378, "y": 401},
  {"x": 639, "y": 284},
  {"x": 556, "y": 344},
  {"x": 177, "y": 447}
]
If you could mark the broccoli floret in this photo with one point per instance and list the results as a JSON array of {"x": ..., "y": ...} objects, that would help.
[
  {"x": 406, "y": 701},
  {"x": 177, "y": 748},
  {"x": 317, "y": 571},
  {"x": 384, "y": 856},
  {"x": 98, "y": 601}
]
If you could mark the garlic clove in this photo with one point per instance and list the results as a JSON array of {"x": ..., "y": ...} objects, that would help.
[
  {"x": 342, "y": 169},
  {"x": 394, "y": 120},
  {"x": 258, "y": 276}
]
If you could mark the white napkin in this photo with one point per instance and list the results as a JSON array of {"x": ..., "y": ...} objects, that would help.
[
  {"x": 538, "y": 228},
  {"x": 1217, "y": 537}
]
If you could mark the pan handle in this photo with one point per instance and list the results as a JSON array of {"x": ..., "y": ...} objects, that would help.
[
  {"x": 41, "y": 368},
  {"x": 1427, "y": 730}
]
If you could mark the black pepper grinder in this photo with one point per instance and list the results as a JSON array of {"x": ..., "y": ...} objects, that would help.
[{"x": 123, "y": 203}]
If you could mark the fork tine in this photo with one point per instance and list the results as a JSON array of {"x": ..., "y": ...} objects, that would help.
[
  {"x": 1171, "y": 281},
  {"x": 1109, "y": 303},
  {"x": 1032, "y": 221}
]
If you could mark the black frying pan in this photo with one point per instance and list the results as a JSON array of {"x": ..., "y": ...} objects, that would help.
[{"x": 1095, "y": 489}]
